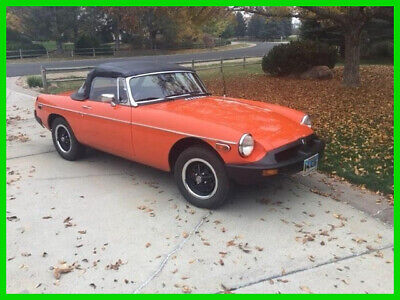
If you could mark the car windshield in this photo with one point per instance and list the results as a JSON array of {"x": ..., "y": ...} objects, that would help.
[{"x": 165, "y": 86}]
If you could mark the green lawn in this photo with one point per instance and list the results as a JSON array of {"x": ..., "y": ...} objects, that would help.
[{"x": 51, "y": 45}]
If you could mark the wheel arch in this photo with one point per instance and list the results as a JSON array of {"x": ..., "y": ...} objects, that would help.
[
  {"x": 185, "y": 143},
  {"x": 52, "y": 117}
]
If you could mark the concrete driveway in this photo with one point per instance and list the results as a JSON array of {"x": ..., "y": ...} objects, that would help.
[{"x": 114, "y": 226}]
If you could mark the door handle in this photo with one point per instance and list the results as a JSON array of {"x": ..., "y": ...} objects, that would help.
[{"x": 86, "y": 107}]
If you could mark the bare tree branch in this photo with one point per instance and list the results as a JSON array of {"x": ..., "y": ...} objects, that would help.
[
  {"x": 325, "y": 13},
  {"x": 259, "y": 10},
  {"x": 380, "y": 12}
]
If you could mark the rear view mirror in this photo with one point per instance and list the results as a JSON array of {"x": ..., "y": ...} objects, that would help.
[{"x": 108, "y": 98}]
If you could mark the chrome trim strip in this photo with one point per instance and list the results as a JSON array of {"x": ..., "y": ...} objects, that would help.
[
  {"x": 140, "y": 124},
  {"x": 86, "y": 114},
  {"x": 118, "y": 88},
  {"x": 128, "y": 87}
]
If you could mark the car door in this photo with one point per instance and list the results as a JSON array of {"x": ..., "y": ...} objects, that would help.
[{"x": 107, "y": 126}]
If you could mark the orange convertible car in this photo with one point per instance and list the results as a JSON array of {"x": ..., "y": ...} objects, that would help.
[{"x": 162, "y": 115}]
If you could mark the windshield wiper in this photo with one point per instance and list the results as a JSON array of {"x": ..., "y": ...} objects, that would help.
[
  {"x": 165, "y": 98},
  {"x": 148, "y": 98},
  {"x": 177, "y": 95},
  {"x": 200, "y": 94}
]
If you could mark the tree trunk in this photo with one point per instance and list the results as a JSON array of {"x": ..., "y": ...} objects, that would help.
[
  {"x": 116, "y": 34},
  {"x": 75, "y": 26},
  {"x": 59, "y": 46},
  {"x": 351, "y": 74},
  {"x": 117, "y": 41},
  {"x": 56, "y": 31},
  {"x": 153, "y": 36}
]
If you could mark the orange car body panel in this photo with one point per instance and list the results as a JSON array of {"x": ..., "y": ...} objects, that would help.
[{"x": 147, "y": 133}]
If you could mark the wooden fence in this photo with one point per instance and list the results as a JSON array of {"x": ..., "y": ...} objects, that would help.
[{"x": 197, "y": 65}]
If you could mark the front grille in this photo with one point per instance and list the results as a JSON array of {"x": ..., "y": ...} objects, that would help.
[
  {"x": 293, "y": 151},
  {"x": 287, "y": 154}
]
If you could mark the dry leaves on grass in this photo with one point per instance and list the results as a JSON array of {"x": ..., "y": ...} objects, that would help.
[{"x": 357, "y": 123}]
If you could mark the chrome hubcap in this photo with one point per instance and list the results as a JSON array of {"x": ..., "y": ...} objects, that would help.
[
  {"x": 199, "y": 178},
  {"x": 63, "y": 138}
]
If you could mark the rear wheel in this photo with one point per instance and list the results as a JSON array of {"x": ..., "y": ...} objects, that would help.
[
  {"x": 201, "y": 177},
  {"x": 64, "y": 140}
]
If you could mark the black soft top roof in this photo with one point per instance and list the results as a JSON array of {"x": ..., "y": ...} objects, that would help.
[
  {"x": 132, "y": 68},
  {"x": 125, "y": 69}
]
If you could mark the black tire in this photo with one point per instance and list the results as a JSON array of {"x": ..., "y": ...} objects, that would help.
[
  {"x": 65, "y": 141},
  {"x": 196, "y": 189}
]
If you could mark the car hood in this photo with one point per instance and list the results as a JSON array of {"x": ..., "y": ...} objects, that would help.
[{"x": 229, "y": 118}]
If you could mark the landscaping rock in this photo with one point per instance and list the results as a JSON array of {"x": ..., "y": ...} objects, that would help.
[{"x": 317, "y": 72}]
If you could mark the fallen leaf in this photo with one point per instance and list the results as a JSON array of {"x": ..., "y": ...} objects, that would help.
[
  {"x": 115, "y": 266},
  {"x": 305, "y": 289},
  {"x": 62, "y": 269}
]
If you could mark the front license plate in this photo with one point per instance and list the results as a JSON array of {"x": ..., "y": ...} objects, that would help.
[{"x": 310, "y": 164}]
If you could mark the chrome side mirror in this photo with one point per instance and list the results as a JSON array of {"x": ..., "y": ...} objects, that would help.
[{"x": 108, "y": 98}]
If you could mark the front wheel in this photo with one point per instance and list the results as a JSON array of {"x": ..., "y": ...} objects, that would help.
[{"x": 201, "y": 177}]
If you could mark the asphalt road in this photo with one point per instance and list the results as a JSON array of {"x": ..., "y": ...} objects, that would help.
[
  {"x": 124, "y": 227},
  {"x": 32, "y": 68}
]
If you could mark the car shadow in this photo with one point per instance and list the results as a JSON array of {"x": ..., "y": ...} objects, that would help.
[
  {"x": 270, "y": 186},
  {"x": 261, "y": 193}
]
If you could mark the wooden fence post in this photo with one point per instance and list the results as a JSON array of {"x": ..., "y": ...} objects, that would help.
[
  {"x": 223, "y": 77},
  {"x": 244, "y": 62},
  {"x": 192, "y": 63},
  {"x": 44, "y": 79}
]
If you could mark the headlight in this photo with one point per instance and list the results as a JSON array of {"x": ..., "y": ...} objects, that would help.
[
  {"x": 246, "y": 145},
  {"x": 306, "y": 121}
]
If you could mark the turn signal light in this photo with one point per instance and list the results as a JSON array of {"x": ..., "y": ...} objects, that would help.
[
  {"x": 222, "y": 147},
  {"x": 270, "y": 172}
]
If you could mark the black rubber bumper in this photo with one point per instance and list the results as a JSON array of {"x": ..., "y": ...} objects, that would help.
[
  {"x": 38, "y": 119},
  {"x": 288, "y": 159}
]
